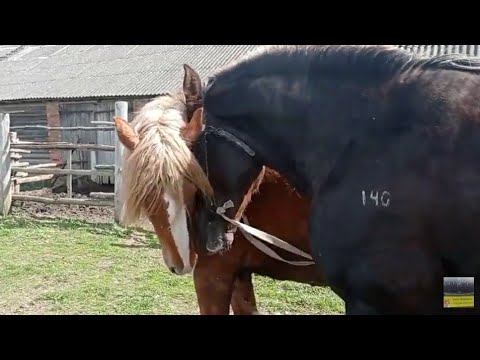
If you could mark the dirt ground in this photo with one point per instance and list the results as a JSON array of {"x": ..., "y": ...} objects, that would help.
[{"x": 92, "y": 214}]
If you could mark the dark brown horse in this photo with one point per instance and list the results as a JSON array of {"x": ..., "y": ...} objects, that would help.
[{"x": 150, "y": 168}]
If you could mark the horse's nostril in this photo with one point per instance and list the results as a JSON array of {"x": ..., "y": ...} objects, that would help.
[{"x": 172, "y": 270}]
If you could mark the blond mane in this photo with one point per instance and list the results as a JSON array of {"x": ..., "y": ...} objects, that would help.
[{"x": 161, "y": 160}]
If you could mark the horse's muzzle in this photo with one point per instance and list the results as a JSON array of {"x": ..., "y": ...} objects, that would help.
[{"x": 219, "y": 241}]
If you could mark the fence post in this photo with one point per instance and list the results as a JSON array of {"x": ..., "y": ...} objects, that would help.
[
  {"x": 121, "y": 110},
  {"x": 5, "y": 165},
  {"x": 69, "y": 176},
  {"x": 93, "y": 163},
  {"x": 13, "y": 162}
]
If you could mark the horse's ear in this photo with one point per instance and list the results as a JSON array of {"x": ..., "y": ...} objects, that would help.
[
  {"x": 192, "y": 89},
  {"x": 126, "y": 135},
  {"x": 192, "y": 130}
]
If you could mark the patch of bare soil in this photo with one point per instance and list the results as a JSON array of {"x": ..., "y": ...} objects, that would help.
[
  {"x": 102, "y": 214},
  {"x": 92, "y": 214},
  {"x": 37, "y": 307}
]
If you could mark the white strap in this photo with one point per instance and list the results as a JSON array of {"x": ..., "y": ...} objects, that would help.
[
  {"x": 261, "y": 246},
  {"x": 248, "y": 231}
]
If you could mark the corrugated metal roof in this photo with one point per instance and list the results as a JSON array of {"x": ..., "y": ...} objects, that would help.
[
  {"x": 85, "y": 71},
  {"x": 31, "y": 72},
  {"x": 433, "y": 50}
]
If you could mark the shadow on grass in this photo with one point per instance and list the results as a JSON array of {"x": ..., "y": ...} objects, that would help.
[{"x": 105, "y": 229}]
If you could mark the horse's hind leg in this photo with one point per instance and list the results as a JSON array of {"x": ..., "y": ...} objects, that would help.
[{"x": 243, "y": 297}]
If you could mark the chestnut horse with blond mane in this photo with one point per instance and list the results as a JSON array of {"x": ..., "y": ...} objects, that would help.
[{"x": 157, "y": 162}]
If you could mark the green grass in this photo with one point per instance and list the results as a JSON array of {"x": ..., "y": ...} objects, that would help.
[{"x": 72, "y": 267}]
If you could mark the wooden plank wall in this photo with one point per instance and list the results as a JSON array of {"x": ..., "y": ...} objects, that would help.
[
  {"x": 33, "y": 114},
  {"x": 74, "y": 113},
  {"x": 82, "y": 114}
]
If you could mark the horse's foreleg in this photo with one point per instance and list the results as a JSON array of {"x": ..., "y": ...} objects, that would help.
[
  {"x": 213, "y": 287},
  {"x": 243, "y": 297}
]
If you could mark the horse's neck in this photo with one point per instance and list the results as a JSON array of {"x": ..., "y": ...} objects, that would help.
[
  {"x": 295, "y": 129},
  {"x": 280, "y": 153}
]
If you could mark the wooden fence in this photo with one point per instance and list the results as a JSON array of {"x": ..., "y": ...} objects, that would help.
[{"x": 14, "y": 172}]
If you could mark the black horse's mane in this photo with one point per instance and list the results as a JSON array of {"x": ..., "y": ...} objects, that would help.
[
  {"x": 367, "y": 61},
  {"x": 454, "y": 62}
]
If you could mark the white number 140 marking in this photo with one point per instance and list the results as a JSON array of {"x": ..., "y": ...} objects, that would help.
[{"x": 379, "y": 199}]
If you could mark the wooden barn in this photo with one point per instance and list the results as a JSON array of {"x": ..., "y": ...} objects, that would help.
[{"x": 73, "y": 85}]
